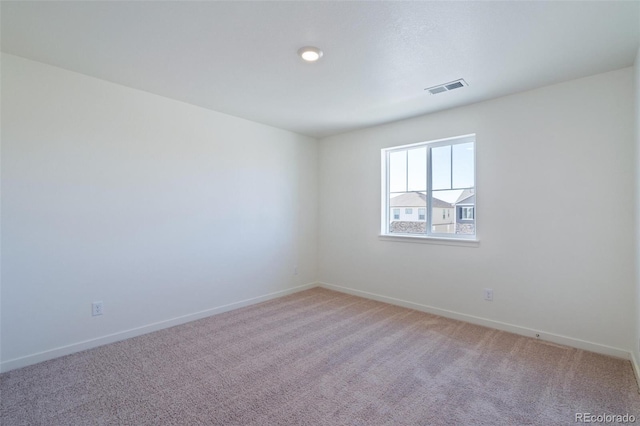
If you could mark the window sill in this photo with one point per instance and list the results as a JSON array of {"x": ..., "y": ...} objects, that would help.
[{"x": 431, "y": 240}]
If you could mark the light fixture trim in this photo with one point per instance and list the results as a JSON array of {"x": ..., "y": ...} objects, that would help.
[{"x": 310, "y": 53}]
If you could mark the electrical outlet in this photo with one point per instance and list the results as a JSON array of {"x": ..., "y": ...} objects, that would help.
[
  {"x": 488, "y": 294},
  {"x": 295, "y": 270},
  {"x": 96, "y": 309}
]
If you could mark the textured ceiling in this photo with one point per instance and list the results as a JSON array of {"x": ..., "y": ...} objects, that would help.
[{"x": 240, "y": 58}]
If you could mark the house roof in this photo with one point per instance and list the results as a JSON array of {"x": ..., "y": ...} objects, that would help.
[
  {"x": 416, "y": 199},
  {"x": 466, "y": 197}
]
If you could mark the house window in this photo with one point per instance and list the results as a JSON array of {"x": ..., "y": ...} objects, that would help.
[
  {"x": 466, "y": 213},
  {"x": 437, "y": 177},
  {"x": 396, "y": 214}
]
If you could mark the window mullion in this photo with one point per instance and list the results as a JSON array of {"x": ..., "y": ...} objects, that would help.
[
  {"x": 406, "y": 171},
  {"x": 428, "y": 194},
  {"x": 450, "y": 166},
  {"x": 387, "y": 212}
]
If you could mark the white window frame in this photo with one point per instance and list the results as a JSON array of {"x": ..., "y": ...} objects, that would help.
[{"x": 429, "y": 235}]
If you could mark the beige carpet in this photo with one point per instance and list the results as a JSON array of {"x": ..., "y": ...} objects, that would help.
[{"x": 320, "y": 357}]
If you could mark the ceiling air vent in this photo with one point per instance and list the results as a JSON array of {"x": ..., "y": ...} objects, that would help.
[{"x": 446, "y": 87}]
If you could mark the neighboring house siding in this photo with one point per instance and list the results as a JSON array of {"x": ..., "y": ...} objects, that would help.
[{"x": 402, "y": 221}]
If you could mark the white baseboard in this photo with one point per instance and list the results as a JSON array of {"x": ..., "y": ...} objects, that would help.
[
  {"x": 24, "y": 361},
  {"x": 523, "y": 331},
  {"x": 636, "y": 369}
]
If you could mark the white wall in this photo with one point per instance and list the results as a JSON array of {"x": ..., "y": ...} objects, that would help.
[
  {"x": 565, "y": 149},
  {"x": 0, "y": 215},
  {"x": 158, "y": 208},
  {"x": 636, "y": 345}
]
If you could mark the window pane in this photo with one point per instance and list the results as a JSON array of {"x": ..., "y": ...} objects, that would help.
[
  {"x": 417, "y": 169},
  {"x": 405, "y": 217},
  {"x": 443, "y": 212},
  {"x": 441, "y": 167},
  {"x": 398, "y": 171},
  {"x": 463, "y": 167},
  {"x": 466, "y": 213}
]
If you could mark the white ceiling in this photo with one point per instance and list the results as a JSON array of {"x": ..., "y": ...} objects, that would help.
[{"x": 240, "y": 57}]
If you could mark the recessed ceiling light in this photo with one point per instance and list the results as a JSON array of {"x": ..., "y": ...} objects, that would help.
[{"x": 310, "y": 53}]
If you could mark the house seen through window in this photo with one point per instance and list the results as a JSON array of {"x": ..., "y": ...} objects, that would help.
[{"x": 437, "y": 179}]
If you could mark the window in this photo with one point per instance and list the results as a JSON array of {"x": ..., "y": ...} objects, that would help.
[
  {"x": 438, "y": 178},
  {"x": 466, "y": 213}
]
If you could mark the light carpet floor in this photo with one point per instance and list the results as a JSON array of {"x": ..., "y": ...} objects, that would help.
[{"x": 319, "y": 357}]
